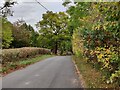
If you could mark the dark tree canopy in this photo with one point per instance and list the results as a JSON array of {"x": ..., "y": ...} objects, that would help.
[{"x": 24, "y": 35}]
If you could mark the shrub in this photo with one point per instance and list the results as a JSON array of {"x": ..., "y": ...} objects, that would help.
[
  {"x": 99, "y": 31},
  {"x": 13, "y": 55}
]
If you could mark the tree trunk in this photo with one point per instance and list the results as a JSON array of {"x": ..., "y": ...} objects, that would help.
[{"x": 56, "y": 47}]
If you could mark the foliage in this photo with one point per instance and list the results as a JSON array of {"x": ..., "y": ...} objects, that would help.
[
  {"x": 34, "y": 37},
  {"x": 91, "y": 76},
  {"x": 20, "y": 30},
  {"x": 11, "y": 66},
  {"x": 95, "y": 28},
  {"x": 13, "y": 34},
  {"x": 6, "y": 33},
  {"x": 13, "y": 55},
  {"x": 53, "y": 31}
]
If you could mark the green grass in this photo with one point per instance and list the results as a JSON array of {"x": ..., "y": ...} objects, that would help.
[
  {"x": 33, "y": 60},
  {"x": 10, "y": 67},
  {"x": 93, "y": 77}
]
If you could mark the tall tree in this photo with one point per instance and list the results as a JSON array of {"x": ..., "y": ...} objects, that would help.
[
  {"x": 6, "y": 33},
  {"x": 53, "y": 29}
]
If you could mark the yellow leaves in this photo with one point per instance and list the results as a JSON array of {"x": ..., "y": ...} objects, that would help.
[
  {"x": 97, "y": 49},
  {"x": 107, "y": 59},
  {"x": 97, "y": 52},
  {"x": 104, "y": 56},
  {"x": 100, "y": 56},
  {"x": 108, "y": 51},
  {"x": 104, "y": 27},
  {"x": 100, "y": 49},
  {"x": 91, "y": 52},
  {"x": 106, "y": 65}
]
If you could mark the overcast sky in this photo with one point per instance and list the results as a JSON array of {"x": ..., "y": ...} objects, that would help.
[{"x": 31, "y": 11}]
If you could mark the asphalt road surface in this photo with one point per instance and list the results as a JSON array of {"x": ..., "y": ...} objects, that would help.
[{"x": 54, "y": 72}]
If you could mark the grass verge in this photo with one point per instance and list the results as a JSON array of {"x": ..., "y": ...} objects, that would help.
[
  {"x": 12, "y": 66},
  {"x": 92, "y": 77}
]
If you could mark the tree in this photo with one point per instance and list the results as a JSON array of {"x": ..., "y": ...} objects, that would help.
[
  {"x": 6, "y": 33},
  {"x": 21, "y": 34},
  {"x": 5, "y": 10},
  {"x": 53, "y": 30},
  {"x": 34, "y": 36}
]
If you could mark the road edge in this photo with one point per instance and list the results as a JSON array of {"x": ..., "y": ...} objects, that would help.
[
  {"x": 82, "y": 82},
  {"x": 23, "y": 67}
]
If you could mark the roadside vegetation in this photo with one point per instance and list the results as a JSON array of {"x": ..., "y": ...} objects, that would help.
[
  {"x": 13, "y": 55},
  {"x": 96, "y": 36},
  {"x": 12, "y": 66},
  {"x": 92, "y": 76}
]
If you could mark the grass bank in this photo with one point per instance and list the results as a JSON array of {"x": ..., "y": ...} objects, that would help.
[
  {"x": 93, "y": 78},
  {"x": 12, "y": 66}
]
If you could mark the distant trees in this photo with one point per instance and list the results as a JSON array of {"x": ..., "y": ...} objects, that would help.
[
  {"x": 53, "y": 31},
  {"x": 34, "y": 37},
  {"x": 18, "y": 34},
  {"x": 24, "y": 35},
  {"x": 21, "y": 34}
]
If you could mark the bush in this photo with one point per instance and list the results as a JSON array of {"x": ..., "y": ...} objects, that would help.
[
  {"x": 99, "y": 31},
  {"x": 13, "y": 55}
]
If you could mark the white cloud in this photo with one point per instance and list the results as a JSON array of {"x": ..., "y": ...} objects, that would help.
[
  {"x": 1, "y": 3},
  {"x": 32, "y": 12}
]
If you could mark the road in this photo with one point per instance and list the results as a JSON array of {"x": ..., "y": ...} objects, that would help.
[{"x": 54, "y": 72}]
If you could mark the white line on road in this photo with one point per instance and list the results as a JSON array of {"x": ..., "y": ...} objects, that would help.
[
  {"x": 26, "y": 83},
  {"x": 37, "y": 75}
]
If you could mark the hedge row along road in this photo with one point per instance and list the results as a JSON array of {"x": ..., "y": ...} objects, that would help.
[{"x": 54, "y": 72}]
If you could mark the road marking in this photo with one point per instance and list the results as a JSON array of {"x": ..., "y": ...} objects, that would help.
[
  {"x": 37, "y": 75},
  {"x": 26, "y": 83}
]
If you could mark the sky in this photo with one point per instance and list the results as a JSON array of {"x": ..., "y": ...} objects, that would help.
[{"x": 31, "y": 11}]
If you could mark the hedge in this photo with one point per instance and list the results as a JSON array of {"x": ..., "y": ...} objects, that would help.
[{"x": 13, "y": 55}]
